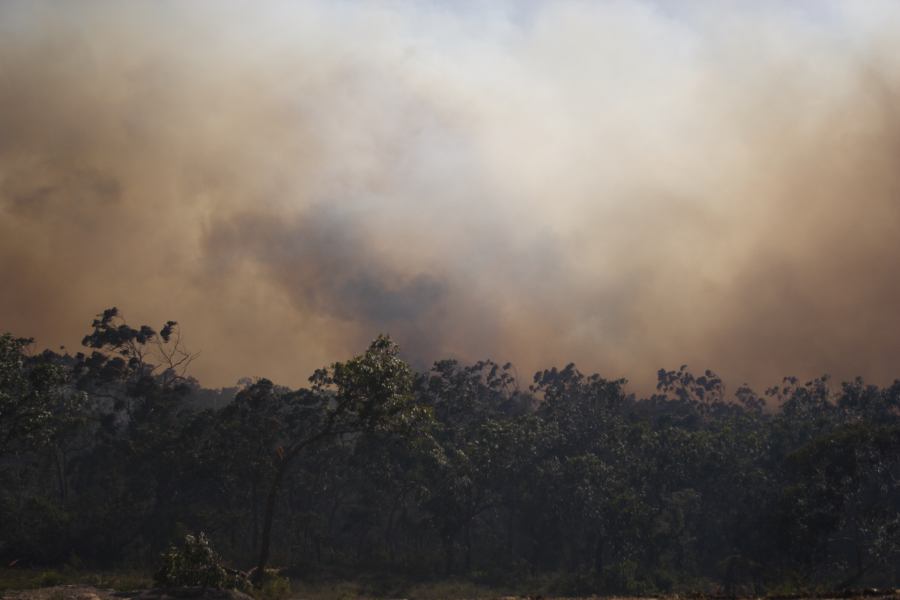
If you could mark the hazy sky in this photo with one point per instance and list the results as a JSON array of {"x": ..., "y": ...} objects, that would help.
[{"x": 626, "y": 185}]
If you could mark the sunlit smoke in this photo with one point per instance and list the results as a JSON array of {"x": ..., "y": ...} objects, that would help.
[{"x": 624, "y": 185}]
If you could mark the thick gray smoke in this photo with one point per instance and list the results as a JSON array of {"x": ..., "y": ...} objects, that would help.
[{"x": 626, "y": 185}]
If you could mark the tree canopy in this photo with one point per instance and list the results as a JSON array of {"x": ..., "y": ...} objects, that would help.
[{"x": 463, "y": 470}]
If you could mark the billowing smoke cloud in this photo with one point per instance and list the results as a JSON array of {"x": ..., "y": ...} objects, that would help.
[{"x": 626, "y": 185}]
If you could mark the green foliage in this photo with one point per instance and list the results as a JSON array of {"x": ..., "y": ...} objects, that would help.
[
  {"x": 370, "y": 392},
  {"x": 194, "y": 563},
  {"x": 28, "y": 389}
]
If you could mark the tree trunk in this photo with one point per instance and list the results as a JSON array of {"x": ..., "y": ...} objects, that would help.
[
  {"x": 448, "y": 543},
  {"x": 468, "y": 547},
  {"x": 61, "y": 475},
  {"x": 266, "y": 536},
  {"x": 598, "y": 554},
  {"x": 286, "y": 458},
  {"x": 510, "y": 531},
  {"x": 254, "y": 495}
]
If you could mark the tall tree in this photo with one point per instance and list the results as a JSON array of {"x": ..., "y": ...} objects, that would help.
[{"x": 371, "y": 392}]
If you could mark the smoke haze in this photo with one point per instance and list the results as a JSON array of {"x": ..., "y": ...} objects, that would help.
[{"x": 618, "y": 184}]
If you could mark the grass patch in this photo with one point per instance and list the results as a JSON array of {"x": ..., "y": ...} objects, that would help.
[
  {"x": 441, "y": 590},
  {"x": 379, "y": 589},
  {"x": 275, "y": 587},
  {"x": 335, "y": 590},
  {"x": 29, "y": 579}
]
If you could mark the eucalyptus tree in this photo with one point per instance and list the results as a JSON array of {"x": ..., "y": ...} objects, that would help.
[
  {"x": 472, "y": 451},
  {"x": 29, "y": 390},
  {"x": 371, "y": 392},
  {"x": 134, "y": 483},
  {"x": 32, "y": 391}
]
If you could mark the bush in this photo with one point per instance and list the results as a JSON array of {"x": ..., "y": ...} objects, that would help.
[
  {"x": 196, "y": 564},
  {"x": 274, "y": 587},
  {"x": 50, "y": 579}
]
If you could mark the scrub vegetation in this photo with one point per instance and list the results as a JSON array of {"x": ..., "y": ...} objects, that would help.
[{"x": 462, "y": 480}]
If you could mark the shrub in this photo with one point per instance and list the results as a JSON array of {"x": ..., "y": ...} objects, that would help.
[
  {"x": 274, "y": 587},
  {"x": 195, "y": 564},
  {"x": 50, "y": 579}
]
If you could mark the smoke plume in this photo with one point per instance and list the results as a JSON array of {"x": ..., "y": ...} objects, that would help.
[{"x": 627, "y": 185}]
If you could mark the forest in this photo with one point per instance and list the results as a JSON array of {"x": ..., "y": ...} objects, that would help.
[{"x": 110, "y": 454}]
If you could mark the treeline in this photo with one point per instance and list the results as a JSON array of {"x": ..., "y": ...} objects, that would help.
[{"x": 109, "y": 455}]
